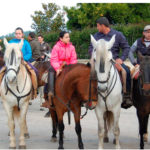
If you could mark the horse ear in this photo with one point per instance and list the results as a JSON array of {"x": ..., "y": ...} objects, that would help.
[
  {"x": 140, "y": 56},
  {"x": 93, "y": 41},
  {"x": 111, "y": 42},
  {"x": 5, "y": 42},
  {"x": 21, "y": 44}
]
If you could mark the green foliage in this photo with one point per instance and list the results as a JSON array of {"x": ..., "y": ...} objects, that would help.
[
  {"x": 86, "y": 14},
  {"x": 81, "y": 39},
  {"x": 50, "y": 19}
]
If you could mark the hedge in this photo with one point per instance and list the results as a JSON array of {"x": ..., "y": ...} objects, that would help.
[{"x": 81, "y": 39}]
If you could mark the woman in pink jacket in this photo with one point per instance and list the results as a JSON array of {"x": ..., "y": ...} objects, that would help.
[{"x": 62, "y": 53}]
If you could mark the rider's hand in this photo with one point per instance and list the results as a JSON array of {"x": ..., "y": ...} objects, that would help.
[
  {"x": 58, "y": 72},
  {"x": 42, "y": 57},
  {"x": 137, "y": 65},
  {"x": 119, "y": 61}
]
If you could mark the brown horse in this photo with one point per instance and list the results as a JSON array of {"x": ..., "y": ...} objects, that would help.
[
  {"x": 141, "y": 97},
  {"x": 73, "y": 87}
]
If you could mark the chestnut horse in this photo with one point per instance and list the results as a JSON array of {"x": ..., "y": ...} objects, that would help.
[
  {"x": 73, "y": 87},
  {"x": 141, "y": 97}
]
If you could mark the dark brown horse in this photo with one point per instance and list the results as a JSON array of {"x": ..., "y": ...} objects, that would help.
[
  {"x": 141, "y": 96},
  {"x": 73, "y": 87}
]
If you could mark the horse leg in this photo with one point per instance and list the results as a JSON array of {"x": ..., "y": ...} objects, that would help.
[
  {"x": 106, "y": 139},
  {"x": 26, "y": 133},
  {"x": 116, "y": 129},
  {"x": 145, "y": 136},
  {"x": 141, "y": 129},
  {"x": 54, "y": 124},
  {"x": 100, "y": 118},
  {"x": 11, "y": 124},
  {"x": 41, "y": 95},
  {"x": 22, "y": 123},
  {"x": 78, "y": 129},
  {"x": 60, "y": 127}
]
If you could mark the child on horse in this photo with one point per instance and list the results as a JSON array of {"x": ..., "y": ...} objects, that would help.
[{"x": 63, "y": 53}]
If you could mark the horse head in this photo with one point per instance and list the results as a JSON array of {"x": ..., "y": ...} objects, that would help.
[
  {"x": 101, "y": 61},
  {"x": 12, "y": 58},
  {"x": 145, "y": 72}
]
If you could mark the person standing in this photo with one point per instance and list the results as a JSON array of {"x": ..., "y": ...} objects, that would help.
[
  {"x": 35, "y": 46},
  {"x": 45, "y": 48}
]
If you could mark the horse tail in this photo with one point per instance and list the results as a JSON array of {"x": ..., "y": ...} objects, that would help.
[
  {"x": 108, "y": 115},
  {"x": 16, "y": 112}
]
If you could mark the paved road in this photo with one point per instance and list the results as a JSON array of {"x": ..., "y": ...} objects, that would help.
[{"x": 40, "y": 130}]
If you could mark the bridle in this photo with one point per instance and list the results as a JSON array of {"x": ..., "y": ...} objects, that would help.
[
  {"x": 11, "y": 91},
  {"x": 111, "y": 87}
]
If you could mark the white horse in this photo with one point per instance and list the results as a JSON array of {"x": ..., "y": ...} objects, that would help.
[
  {"x": 15, "y": 91},
  {"x": 109, "y": 90}
]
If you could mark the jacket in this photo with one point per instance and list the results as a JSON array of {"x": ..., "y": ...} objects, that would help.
[{"x": 62, "y": 52}]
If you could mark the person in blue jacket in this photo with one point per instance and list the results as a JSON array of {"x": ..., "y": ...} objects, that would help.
[{"x": 26, "y": 48}]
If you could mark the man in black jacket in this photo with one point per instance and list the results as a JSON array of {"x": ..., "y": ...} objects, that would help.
[{"x": 106, "y": 33}]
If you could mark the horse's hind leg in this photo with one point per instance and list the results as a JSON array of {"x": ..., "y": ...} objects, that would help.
[
  {"x": 116, "y": 129},
  {"x": 11, "y": 125},
  {"x": 54, "y": 125},
  {"x": 78, "y": 128},
  {"x": 22, "y": 123}
]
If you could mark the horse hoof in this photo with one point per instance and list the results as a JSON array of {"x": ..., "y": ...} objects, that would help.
[
  {"x": 22, "y": 146},
  {"x": 60, "y": 147},
  {"x": 114, "y": 141},
  {"x": 12, "y": 147},
  {"x": 8, "y": 133},
  {"x": 53, "y": 139},
  {"x": 81, "y": 146},
  {"x": 26, "y": 135},
  {"x": 106, "y": 139}
]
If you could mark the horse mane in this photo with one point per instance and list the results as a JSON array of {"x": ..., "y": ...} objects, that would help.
[{"x": 45, "y": 65}]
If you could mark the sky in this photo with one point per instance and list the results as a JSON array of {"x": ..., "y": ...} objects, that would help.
[{"x": 17, "y": 13}]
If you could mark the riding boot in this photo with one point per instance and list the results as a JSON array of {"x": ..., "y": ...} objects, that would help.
[
  {"x": 127, "y": 101},
  {"x": 51, "y": 80}
]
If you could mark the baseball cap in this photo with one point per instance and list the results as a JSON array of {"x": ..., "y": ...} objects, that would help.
[{"x": 147, "y": 27}]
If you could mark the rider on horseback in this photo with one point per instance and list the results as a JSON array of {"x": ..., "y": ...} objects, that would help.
[
  {"x": 63, "y": 53},
  {"x": 106, "y": 33},
  {"x": 141, "y": 45}
]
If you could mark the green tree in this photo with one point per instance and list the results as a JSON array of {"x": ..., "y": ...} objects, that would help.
[
  {"x": 51, "y": 18},
  {"x": 86, "y": 14}
]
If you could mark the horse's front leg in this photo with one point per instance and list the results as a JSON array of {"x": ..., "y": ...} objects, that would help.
[
  {"x": 78, "y": 129},
  {"x": 22, "y": 123},
  {"x": 11, "y": 124},
  {"x": 106, "y": 139},
  {"x": 26, "y": 133},
  {"x": 141, "y": 119},
  {"x": 116, "y": 130},
  {"x": 100, "y": 119},
  {"x": 61, "y": 126}
]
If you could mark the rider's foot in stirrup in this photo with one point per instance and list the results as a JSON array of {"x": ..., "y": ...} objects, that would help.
[{"x": 127, "y": 102}]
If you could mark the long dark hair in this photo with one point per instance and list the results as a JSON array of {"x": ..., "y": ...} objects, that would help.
[{"x": 61, "y": 34}]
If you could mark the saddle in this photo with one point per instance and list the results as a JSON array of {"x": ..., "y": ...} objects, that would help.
[{"x": 32, "y": 75}]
